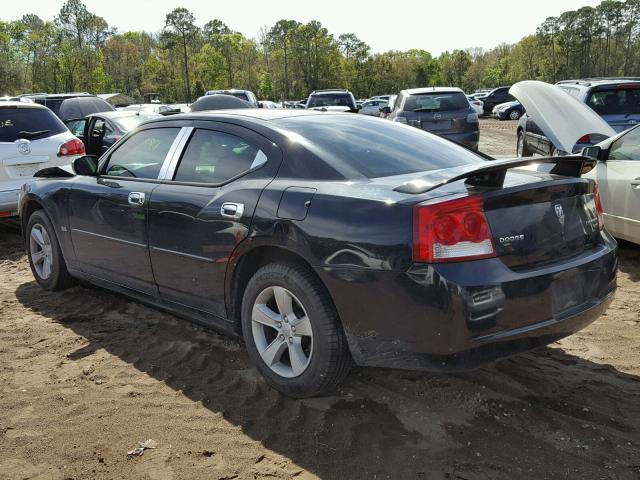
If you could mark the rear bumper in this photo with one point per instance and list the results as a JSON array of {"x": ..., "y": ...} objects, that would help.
[
  {"x": 9, "y": 202},
  {"x": 470, "y": 139},
  {"x": 458, "y": 316}
]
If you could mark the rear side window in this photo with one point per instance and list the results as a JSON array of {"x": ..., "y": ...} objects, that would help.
[
  {"x": 215, "y": 157},
  {"x": 621, "y": 101},
  {"x": 436, "y": 102},
  {"x": 30, "y": 123},
  {"x": 371, "y": 147},
  {"x": 142, "y": 155},
  {"x": 330, "y": 100}
]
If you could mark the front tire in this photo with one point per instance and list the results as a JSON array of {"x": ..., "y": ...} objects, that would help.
[
  {"x": 292, "y": 331},
  {"x": 514, "y": 115},
  {"x": 45, "y": 256}
]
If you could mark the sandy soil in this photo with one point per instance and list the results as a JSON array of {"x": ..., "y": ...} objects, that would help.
[{"x": 85, "y": 375}]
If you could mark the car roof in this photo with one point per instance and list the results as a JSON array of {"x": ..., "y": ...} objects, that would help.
[
  {"x": 598, "y": 81},
  {"x": 329, "y": 91},
  {"x": 417, "y": 91},
  {"x": 120, "y": 114},
  {"x": 58, "y": 95},
  {"x": 260, "y": 115},
  {"x": 14, "y": 104}
]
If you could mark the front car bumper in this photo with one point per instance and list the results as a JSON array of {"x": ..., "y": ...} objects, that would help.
[{"x": 448, "y": 317}]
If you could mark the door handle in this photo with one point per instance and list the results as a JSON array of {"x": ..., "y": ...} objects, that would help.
[
  {"x": 136, "y": 198},
  {"x": 635, "y": 183},
  {"x": 232, "y": 210}
]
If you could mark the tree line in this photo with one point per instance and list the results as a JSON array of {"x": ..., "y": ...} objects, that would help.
[{"x": 79, "y": 51}]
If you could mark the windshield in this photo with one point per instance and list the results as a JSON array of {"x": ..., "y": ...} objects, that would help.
[
  {"x": 373, "y": 147},
  {"x": 330, "y": 100},
  {"x": 616, "y": 101},
  {"x": 436, "y": 102},
  {"x": 129, "y": 123},
  {"x": 20, "y": 122}
]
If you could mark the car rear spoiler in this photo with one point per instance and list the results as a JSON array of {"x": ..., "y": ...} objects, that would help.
[{"x": 492, "y": 173}]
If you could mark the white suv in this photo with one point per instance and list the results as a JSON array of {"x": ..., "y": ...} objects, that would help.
[{"x": 31, "y": 138}]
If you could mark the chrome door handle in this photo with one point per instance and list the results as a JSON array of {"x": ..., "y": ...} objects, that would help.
[
  {"x": 136, "y": 198},
  {"x": 232, "y": 210}
]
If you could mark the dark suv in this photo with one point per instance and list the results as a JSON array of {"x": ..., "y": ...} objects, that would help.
[
  {"x": 68, "y": 106},
  {"x": 332, "y": 100},
  {"x": 495, "y": 97},
  {"x": 444, "y": 111}
]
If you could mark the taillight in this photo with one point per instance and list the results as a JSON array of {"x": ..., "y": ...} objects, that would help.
[
  {"x": 451, "y": 231},
  {"x": 71, "y": 147},
  {"x": 599, "y": 209},
  {"x": 584, "y": 139}
]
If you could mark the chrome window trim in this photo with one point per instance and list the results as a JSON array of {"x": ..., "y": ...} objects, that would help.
[{"x": 175, "y": 152}]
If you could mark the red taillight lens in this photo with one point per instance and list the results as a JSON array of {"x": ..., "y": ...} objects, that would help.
[
  {"x": 451, "y": 231},
  {"x": 599, "y": 209},
  {"x": 71, "y": 147},
  {"x": 584, "y": 139}
]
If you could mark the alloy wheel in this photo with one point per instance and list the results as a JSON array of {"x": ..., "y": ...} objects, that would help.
[
  {"x": 41, "y": 251},
  {"x": 282, "y": 332}
]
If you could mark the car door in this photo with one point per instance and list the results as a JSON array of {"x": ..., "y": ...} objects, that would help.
[
  {"x": 204, "y": 209},
  {"x": 619, "y": 180},
  {"x": 108, "y": 213}
]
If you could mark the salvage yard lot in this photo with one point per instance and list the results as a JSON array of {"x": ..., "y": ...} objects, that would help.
[{"x": 85, "y": 375}]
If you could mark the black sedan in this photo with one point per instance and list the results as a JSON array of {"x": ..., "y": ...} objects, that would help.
[{"x": 326, "y": 239}]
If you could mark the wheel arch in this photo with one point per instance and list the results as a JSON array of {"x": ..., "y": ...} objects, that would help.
[
  {"x": 246, "y": 264},
  {"x": 27, "y": 209}
]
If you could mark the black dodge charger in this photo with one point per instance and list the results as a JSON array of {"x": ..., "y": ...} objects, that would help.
[{"x": 325, "y": 239}]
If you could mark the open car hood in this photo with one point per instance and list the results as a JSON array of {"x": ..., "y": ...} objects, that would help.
[{"x": 561, "y": 117}]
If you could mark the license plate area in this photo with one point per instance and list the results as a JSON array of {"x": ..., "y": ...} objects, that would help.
[
  {"x": 436, "y": 125},
  {"x": 25, "y": 170},
  {"x": 572, "y": 289}
]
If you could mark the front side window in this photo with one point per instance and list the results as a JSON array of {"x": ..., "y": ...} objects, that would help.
[
  {"x": 77, "y": 126},
  {"x": 142, "y": 155},
  {"x": 626, "y": 147},
  {"x": 216, "y": 157}
]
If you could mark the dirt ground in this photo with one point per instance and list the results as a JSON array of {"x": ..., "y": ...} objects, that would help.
[{"x": 85, "y": 375}]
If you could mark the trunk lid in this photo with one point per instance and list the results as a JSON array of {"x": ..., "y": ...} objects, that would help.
[
  {"x": 561, "y": 117},
  {"x": 543, "y": 222}
]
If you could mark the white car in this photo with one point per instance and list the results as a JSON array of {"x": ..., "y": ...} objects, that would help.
[
  {"x": 31, "y": 138},
  {"x": 477, "y": 105},
  {"x": 564, "y": 120},
  {"x": 372, "y": 107}
]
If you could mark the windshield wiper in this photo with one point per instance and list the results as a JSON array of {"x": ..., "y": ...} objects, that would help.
[
  {"x": 39, "y": 133},
  {"x": 425, "y": 109}
]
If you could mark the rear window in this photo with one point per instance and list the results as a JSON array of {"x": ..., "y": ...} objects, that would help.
[
  {"x": 360, "y": 146},
  {"x": 330, "y": 100},
  {"x": 30, "y": 123},
  {"x": 436, "y": 102},
  {"x": 240, "y": 95},
  {"x": 615, "y": 101}
]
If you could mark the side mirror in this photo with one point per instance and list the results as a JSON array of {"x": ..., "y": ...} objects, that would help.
[
  {"x": 260, "y": 105},
  {"x": 386, "y": 110},
  {"x": 86, "y": 165},
  {"x": 593, "y": 151}
]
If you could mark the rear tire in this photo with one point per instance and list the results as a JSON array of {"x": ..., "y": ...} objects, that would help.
[
  {"x": 521, "y": 147},
  {"x": 304, "y": 362},
  {"x": 45, "y": 256}
]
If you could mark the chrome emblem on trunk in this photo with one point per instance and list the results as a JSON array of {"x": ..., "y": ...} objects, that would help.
[
  {"x": 437, "y": 116},
  {"x": 24, "y": 148}
]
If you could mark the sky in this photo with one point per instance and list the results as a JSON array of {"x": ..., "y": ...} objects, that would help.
[{"x": 424, "y": 24}]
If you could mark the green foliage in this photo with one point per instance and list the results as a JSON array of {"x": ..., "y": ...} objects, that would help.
[{"x": 79, "y": 51}]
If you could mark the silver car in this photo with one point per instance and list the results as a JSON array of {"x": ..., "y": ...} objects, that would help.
[
  {"x": 31, "y": 138},
  {"x": 372, "y": 107}
]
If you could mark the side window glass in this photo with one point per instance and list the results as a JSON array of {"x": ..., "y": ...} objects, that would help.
[
  {"x": 215, "y": 157},
  {"x": 77, "y": 127},
  {"x": 626, "y": 147},
  {"x": 142, "y": 155}
]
